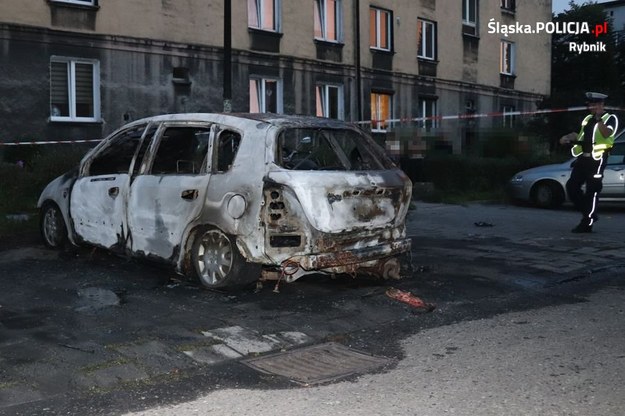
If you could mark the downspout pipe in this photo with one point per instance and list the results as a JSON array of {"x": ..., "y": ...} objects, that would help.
[
  {"x": 227, "y": 76},
  {"x": 358, "y": 69}
]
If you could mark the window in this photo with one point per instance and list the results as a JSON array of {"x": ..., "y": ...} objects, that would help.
[
  {"x": 427, "y": 111},
  {"x": 380, "y": 29},
  {"x": 326, "y": 149},
  {"x": 328, "y": 20},
  {"x": 469, "y": 17},
  {"x": 381, "y": 111},
  {"x": 180, "y": 75},
  {"x": 506, "y": 58},
  {"x": 83, "y": 2},
  {"x": 426, "y": 39},
  {"x": 263, "y": 14},
  {"x": 509, "y": 116},
  {"x": 265, "y": 95},
  {"x": 74, "y": 89},
  {"x": 116, "y": 157},
  {"x": 329, "y": 100},
  {"x": 617, "y": 154},
  {"x": 181, "y": 150},
  {"x": 509, "y": 5},
  {"x": 227, "y": 147}
]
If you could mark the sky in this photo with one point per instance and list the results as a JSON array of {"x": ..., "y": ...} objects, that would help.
[{"x": 558, "y": 6}]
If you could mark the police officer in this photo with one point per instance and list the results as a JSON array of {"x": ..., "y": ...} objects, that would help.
[{"x": 591, "y": 147}]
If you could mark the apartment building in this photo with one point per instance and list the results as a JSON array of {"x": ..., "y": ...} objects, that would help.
[{"x": 74, "y": 69}]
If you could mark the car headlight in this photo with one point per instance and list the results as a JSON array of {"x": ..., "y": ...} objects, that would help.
[{"x": 517, "y": 179}]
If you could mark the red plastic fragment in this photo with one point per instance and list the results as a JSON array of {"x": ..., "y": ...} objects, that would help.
[{"x": 409, "y": 298}]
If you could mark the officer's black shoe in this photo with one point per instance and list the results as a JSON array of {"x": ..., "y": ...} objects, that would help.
[{"x": 582, "y": 228}]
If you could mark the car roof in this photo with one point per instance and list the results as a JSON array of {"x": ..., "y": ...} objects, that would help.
[{"x": 250, "y": 120}]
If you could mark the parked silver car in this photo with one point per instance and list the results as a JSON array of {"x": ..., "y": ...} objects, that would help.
[
  {"x": 230, "y": 197},
  {"x": 545, "y": 186}
]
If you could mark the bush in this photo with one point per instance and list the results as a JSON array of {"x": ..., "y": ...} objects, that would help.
[
  {"x": 20, "y": 186},
  {"x": 461, "y": 178}
]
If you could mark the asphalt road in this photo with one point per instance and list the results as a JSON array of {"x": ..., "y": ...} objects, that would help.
[{"x": 528, "y": 320}]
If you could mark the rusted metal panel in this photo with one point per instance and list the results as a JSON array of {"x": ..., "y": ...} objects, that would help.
[{"x": 351, "y": 257}]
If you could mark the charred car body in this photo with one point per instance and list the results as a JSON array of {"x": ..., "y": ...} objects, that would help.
[{"x": 226, "y": 197}]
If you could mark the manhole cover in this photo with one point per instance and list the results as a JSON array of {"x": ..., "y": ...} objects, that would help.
[{"x": 318, "y": 363}]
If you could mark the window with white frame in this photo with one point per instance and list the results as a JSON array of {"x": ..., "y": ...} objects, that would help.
[
  {"x": 509, "y": 5},
  {"x": 329, "y": 101},
  {"x": 426, "y": 39},
  {"x": 81, "y": 2},
  {"x": 381, "y": 111},
  {"x": 328, "y": 20},
  {"x": 509, "y": 116},
  {"x": 428, "y": 112},
  {"x": 264, "y": 14},
  {"x": 507, "y": 58},
  {"x": 470, "y": 15},
  {"x": 265, "y": 95},
  {"x": 74, "y": 89},
  {"x": 380, "y": 33}
]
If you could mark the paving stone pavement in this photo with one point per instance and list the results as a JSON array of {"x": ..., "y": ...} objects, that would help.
[
  {"x": 523, "y": 237},
  {"x": 528, "y": 246}
]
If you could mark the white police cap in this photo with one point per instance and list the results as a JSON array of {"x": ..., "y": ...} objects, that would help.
[{"x": 595, "y": 97}]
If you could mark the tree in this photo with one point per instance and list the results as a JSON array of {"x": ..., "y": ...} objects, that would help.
[{"x": 573, "y": 73}]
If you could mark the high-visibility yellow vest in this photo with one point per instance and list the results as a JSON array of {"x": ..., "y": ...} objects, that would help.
[{"x": 599, "y": 143}]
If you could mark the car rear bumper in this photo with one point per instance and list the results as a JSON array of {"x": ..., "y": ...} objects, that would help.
[{"x": 375, "y": 260}]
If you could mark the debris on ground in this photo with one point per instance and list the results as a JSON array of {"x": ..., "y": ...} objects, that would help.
[
  {"x": 483, "y": 224},
  {"x": 409, "y": 298}
]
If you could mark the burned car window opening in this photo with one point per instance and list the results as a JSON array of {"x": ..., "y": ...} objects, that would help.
[
  {"x": 181, "y": 150},
  {"x": 116, "y": 157},
  {"x": 325, "y": 149},
  {"x": 141, "y": 151},
  {"x": 227, "y": 147}
]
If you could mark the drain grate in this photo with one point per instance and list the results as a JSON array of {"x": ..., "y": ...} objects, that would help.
[{"x": 318, "y": 363}]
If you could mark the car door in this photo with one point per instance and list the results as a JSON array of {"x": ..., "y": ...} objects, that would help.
[
  {"x": 169, "y": 193},
  {"x": 614, "y": 173},
  {"x": 98, "y": 197}
]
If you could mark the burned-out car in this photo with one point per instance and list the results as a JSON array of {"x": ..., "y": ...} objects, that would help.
[{"x": 231, "y": 197}]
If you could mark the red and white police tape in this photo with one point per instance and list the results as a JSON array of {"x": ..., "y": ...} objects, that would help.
[{"x": 394, "y": 120}]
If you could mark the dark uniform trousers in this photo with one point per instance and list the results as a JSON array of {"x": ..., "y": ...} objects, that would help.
[{"x": 588, "y": 171}]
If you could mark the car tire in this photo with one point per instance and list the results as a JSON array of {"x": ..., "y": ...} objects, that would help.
[
  {"x": 547, "y": 195},
  {"x": 217, "y": 262},
  {"x": 52, "y": 226}
]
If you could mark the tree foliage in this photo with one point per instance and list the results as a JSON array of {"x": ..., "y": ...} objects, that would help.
[{"x": 573, "y": 73}]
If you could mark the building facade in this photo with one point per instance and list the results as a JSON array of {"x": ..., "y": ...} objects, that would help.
[
  {"x": 76, "y": 69},
  {"x": 615, "y": 11}
]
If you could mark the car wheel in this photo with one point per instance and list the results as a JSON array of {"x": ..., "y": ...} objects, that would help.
[
  {"x": 218, "y": 263},
  {"x": 52, "y": 226},
  {"x": 547, "y": 195}
]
